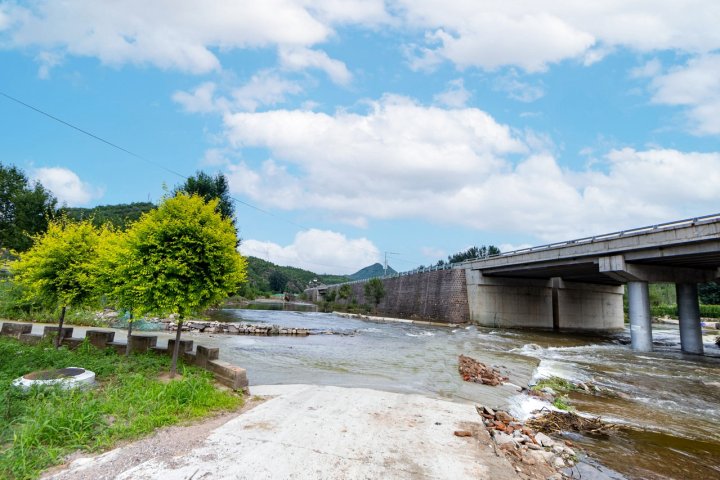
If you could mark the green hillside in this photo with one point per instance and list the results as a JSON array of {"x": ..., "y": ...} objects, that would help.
[
  {"x": 375, "y": 270},
  {"x": 119, "y": 215},
  {"x": 264, "y": 276}
]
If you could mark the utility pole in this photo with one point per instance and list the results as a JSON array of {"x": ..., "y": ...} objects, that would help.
[{"x": 386, "y": 254}]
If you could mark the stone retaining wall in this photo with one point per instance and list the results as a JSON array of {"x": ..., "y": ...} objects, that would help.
[
  {"x": 203, "y": 357},
  {"x": 439, "y": 296}
]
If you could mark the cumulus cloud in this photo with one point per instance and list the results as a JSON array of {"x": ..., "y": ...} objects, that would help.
[
  {"x": 303, "y": 58},
  {"x": 265, "y": 88},
  {"x": 317, "y": 250},
  {"x": 532, "y": 34},
  {"x": 461, "y": 167},
  {"x": 66, "y": 185},
  {"x": 177, "y": 34},
  {"x": 695, "y": 86}
]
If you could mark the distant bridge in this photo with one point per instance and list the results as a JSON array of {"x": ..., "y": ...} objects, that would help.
[{"x": 572, "y": 285}]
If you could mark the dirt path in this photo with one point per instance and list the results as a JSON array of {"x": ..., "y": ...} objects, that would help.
[{"x": 311, "y": 432}]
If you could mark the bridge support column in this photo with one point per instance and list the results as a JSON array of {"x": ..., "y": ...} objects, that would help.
[
  {"x": 640, "y": 322},
  {"x": 689, "y": 314}
]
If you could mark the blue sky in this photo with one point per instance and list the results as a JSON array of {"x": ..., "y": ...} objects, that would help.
[{"x": 359, "y": 127}]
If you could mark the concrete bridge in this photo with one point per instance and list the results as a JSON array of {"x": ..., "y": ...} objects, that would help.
[{"x": 574, "y": 285}]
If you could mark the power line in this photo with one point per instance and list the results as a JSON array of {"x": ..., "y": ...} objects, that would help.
[
  {"x": 152, "y": 162},
  {"x": 133, "y": 154}
]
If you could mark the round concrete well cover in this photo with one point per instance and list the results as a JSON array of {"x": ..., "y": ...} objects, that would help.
[{"x": 69, "y": 377}]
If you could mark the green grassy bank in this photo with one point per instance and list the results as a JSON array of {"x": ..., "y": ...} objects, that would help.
[{"x": 40, "y": 427}]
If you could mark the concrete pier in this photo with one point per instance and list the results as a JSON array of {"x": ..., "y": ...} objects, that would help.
[
  {"x": 689, "y": 315},
  {"x": 640, "y": 321}
]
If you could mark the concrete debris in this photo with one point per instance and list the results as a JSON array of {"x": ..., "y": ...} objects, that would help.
[{"x": 473, "y": 371}]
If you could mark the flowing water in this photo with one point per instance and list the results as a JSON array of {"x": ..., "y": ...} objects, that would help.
[{"x": 670, "y": 401}]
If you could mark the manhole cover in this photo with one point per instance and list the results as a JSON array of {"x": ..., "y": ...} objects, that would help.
[
  {"x": 55, "y": 374},
  {"x": 70, "y": 377}
]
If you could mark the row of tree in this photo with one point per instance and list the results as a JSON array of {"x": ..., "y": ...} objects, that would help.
[{"x": 178, "y": 259}]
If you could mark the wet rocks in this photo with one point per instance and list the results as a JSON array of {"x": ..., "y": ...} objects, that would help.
[
  {"x": 237, "y": 328},
  {"x": 522, "y": 444},
  {"x": 473, "y": 371}
]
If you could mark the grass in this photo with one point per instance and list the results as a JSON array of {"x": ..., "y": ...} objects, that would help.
[
  {"x": 40, "y": 427},
  {"x": 560, "y": 385},
  {"x": 706, "y": 311}
]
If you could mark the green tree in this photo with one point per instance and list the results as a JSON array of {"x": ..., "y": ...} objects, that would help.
[
  {"x": 210, "y": 188},
  {"x": 375, "y": 291},
  {"x": 109, "y": 280},
  {"x": 57, "y": 271},
  {"x": 181, "y": 259},
  {"x": 344, "y": 292},
  {"x": 277, "y": 280},
  {"x": 473, "y": 253},
  {"x": 25, "y": 209},
  {"x": 709, "y": 293}
]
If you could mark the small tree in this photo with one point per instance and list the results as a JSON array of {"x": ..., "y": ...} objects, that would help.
[
  {"x": 110, "y": 280},
  {"x": 57, "y": 271},
  {"x": 344, "y": 292},
  {"x": 375, "y": 291},
  {"x": 210, "y": 188},
  {"x": 181, "y": 259}
]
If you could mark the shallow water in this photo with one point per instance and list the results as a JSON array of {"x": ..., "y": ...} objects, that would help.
[{"x": 671, "y": 400}]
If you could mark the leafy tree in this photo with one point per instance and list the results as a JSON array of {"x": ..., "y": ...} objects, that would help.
[
  {"x": 375, "y": 291},
  {"x": 278, "y": 280},
  {"x": 473, "y": 253},
  {"x": 181, "y": 258},
  {"x": 113, "y": 254},
  {"x": 58, "y": 270},
  {"x": 25, "y": 209},
  {"x": 344, "y": 292},
  {"x": 331, "y": 295},
  {"x": 709, "y": 293},
  {"x": 210, "y": 188}
]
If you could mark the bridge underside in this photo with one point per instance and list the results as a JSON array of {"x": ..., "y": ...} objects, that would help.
[{"x": 550, "y": 304}]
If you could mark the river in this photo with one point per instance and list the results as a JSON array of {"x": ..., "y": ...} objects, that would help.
[{"x": 670, "y": 401}]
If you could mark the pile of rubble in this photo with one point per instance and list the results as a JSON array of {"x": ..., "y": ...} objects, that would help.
[
  {"x": 473, "y": 371},
  {"x": 522, "y": 444},
  {"x": 237, "y": 328}
]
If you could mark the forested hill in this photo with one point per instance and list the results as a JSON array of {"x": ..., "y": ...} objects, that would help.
[
  {"x": 119, "y": 215},
  {"x": 265, "y": 276},
  {"x": 374, "y": 270}
]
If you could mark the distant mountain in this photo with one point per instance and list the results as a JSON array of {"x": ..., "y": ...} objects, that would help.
[{"x": 375, "y": 270}]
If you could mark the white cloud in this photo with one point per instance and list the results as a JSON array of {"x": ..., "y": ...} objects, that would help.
[
  {"x": 265, "y": 88},
  {"x": 47, "y": 61},
  {"x": 200, "y": 100},
  {"x": 178, "y": 34},
  {"x": 516, "y": 89},
  {"x": 695, "y": 86},
  {"x": 302, "y": 58},
  {"x": 320, "y": 251},
  {"x": 66, "y": 185},
  {"x": 532, "y": 34},
  {"x": 649, "y": 69},
  {"x": 455, "y": 96},
  {"x": 459, "y": 166}
]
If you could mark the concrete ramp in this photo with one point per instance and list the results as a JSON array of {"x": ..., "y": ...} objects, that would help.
[{"x": 310, "y": 432}]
